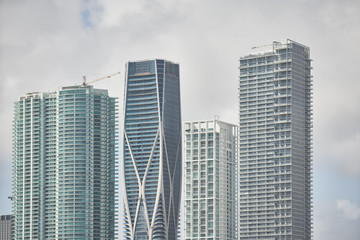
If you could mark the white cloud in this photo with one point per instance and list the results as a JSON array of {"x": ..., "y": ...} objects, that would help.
[
  {"x": 331, "y": 224},
  {"x": 351, "y": 211},
  {"x": 336, "y": 104}
]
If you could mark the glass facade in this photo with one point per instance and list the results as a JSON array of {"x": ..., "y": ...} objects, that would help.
[
  {"x": 64, "y": 165},
  {"x": 6, "y": 226},
  {"x": 275, "y": 167},
  {"x": 152, "y": 150},
  {"x": 210, "y": 180}
]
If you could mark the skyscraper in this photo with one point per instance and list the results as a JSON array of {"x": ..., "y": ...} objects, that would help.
[
  {"x": 64, "y": 164},
  {"x": 152, "y": 150},
  {"x": 6, "y": 226},
  {"x": 210, "y": 180},
  {"x": 275, "y": 164}
]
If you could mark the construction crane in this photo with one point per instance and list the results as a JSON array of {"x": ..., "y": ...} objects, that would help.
[
  {"x": 98, "y": 79},
  {"x": 261, "y": 46},
  {"x": 267, "y": 45}
]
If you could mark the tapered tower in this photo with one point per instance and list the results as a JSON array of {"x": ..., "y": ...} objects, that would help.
[{"x": 152, "y": 150}]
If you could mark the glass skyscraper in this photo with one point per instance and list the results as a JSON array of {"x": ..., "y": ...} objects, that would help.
[
  {"x": 210, "y": 180},
  {"x": 152, "y": 150},
  {"x": 6, "y": 227},
  {"x": 64, "y": 165},
  {"x": 275, "y": 133}
]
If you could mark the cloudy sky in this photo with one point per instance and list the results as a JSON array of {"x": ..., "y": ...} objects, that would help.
[{"x": 53, "y": 43}]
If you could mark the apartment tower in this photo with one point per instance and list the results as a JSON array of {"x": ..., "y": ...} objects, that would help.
[
  {"x": 64, "y": 165},
  {"x": 210, "y": 180},
  {"x": 152, "y": 150},
  {"x": 275, "y": 134},
  {"x": 6, "y": 226}
]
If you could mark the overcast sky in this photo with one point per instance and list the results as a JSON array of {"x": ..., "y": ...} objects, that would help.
[{"x": 48, "y": 44}]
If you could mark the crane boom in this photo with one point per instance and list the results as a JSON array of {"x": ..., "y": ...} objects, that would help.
[
  {"x": 98, "y": 79},
  {"x": 266, "y": 45}
]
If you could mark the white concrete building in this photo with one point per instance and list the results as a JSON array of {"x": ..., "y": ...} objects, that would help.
[
  {"x": 275, "y": 154},
  {"x": 210, "y": 180}
]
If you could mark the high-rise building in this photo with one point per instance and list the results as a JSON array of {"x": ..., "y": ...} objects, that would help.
[
  {"x": 6, "y": 223},
  {"x": 64, "y": 164},
  {"x": 275, "y": 135},
  {"x": 210, "y": 180},
  {"x": 152, "y": 150}
]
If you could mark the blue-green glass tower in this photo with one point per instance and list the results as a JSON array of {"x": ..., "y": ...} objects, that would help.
[
  {"x": 64, "y": 165},
  {"x": 152, "y": 150}
]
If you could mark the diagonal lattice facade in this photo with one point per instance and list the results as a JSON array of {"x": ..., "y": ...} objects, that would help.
[{"x": 152, "y": 150}]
